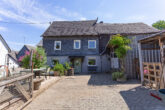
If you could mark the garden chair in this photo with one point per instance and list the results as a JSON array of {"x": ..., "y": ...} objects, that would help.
[{"x": 47, "y": 72}]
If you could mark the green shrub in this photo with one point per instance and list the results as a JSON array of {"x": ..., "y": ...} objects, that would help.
[
  {"x": 25, "y": 61},
  {"x": 116, "y": 75},
  {"x": 60, "y": 68}
]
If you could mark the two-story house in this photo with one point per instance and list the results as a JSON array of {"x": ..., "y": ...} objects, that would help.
[{"x": 85, "y": 43}]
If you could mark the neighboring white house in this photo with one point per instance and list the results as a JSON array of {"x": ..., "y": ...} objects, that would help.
[
  {"x": 7, "y": 57},
  {"x": 4, "y": 50},
  {"x": 13, "y": 63}
]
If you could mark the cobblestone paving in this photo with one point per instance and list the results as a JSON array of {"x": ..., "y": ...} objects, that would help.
[{"x": 95, "y": 92}]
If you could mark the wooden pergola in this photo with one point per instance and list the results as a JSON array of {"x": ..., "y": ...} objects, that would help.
[{"x": 152, "y": 60}]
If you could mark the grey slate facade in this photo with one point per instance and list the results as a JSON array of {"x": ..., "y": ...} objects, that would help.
[
  {"x": 68, "y": 31},
  {"x": 67, "y": 47}
]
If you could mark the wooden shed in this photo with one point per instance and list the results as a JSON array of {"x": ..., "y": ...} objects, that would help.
[{"x": 152, "y": 60}]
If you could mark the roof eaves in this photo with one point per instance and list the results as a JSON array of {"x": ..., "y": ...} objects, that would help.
[
  {"x": 151, "y": 36},
  {"x": 4, "y": 42}
]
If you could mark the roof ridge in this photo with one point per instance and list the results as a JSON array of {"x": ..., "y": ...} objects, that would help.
[
  {"x": 123, "y": 23},
  {"x": 76, "y": 21},
  {"x": 5, "y": 43}
]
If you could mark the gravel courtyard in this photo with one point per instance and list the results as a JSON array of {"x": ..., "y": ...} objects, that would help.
[{"x": 95, "y": 92}]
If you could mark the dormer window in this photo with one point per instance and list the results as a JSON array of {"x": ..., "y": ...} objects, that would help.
[
  {"x": 57, "y": 45},
  {"x": 77, "y": 44}
]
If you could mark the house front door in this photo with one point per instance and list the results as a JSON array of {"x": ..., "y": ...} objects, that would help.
[{"x": 77, "y": 65}]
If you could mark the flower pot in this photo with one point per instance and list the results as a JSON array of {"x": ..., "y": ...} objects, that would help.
[
  {"x": 37, "y": 83},
  {"x": 65, "y": 72},
  {"x": 56, "y": 73},
  {"x": 71, "y": 72}
]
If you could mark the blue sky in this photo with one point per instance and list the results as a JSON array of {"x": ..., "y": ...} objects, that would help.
[{"x": 45, "y": 11}]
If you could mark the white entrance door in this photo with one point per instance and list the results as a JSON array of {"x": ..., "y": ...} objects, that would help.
[{"x": 114, "y": 63}]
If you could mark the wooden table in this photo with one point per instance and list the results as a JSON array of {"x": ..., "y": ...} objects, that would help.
[{"x": 36, "y": 71}]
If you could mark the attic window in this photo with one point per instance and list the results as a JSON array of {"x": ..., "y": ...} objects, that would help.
[
  {"x": 57, "y": 45},
  {"x": 77, "y": 44},
  {"x": 91, "y": 44}
]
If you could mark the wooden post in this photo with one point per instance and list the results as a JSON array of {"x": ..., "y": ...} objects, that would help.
[
  {"x": 32, "y": 86},
  {"x": 162, "y": 63},
  {"x": 141, "y": 63},
  {"x": 31, "y": 66},
  {"x": 31, "y": 60}
]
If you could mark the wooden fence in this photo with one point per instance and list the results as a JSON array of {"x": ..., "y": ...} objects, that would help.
[
  {"x": 152, "y": 73},
  {"x": 15, "y": 89}
]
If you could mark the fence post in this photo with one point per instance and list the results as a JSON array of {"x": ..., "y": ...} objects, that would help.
[{"x": 141, "y": 63}]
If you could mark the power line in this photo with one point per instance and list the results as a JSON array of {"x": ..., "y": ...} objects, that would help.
[{"x": 6, "y": 22}]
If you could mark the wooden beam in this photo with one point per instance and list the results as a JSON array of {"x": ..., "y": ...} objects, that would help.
[
  {"x": 3, "y": 83},
  {"x": 140, "y": 62},
  {"x": 22, "y": 90},
  {"x": 1, "y": 89}
]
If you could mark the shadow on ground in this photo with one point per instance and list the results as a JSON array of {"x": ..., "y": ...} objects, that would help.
[
  {"x": 103, "y": 79},
  {"x": 139, "y": 99}
]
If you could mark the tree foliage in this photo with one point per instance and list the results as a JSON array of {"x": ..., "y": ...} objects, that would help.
[
  {"x": 39, "y": 58},
  {"x": 120, "y": 44},
  {"x": 159, "y": 24}
]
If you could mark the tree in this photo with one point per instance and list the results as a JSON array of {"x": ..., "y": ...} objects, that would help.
[
  {"x": 121, "y": 46},
  {"x": 159, "y": 24},
  {"x": 39, "y": 58}
]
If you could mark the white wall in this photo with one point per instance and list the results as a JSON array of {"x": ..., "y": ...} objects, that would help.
[
  {"x": 3, "y": 58},
  {"x": 3, "y": 54},
  {"x": 12, "y": 63}
]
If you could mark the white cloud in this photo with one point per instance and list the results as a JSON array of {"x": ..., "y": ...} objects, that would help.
[
  {"x": 136, "y": 18},
  {"x": 3, "y": 28},
  {"x": 67, "y": 13},
  {"x": 83, "y": 18},
  {"x": 33, "y": 12}
]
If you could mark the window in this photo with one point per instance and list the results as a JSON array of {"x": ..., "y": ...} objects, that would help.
[
  {"x": 92, "y": 62},
  {"x": 55, "y": 61},
  {"x": 77, "y": 44},
  {"x": 91, "y": 44},
  {"x": 57, "y": 45}
]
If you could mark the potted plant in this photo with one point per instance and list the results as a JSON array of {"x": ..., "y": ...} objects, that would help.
[
  {"x": 67, "y": 68},
  {"x": 59, "y": 70}
]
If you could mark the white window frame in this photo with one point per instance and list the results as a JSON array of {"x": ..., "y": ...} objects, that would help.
[
  {"x": 75, "y": 44},
  {"x": 91, "y": 58},
  {"x": 91, "y": 41},
  {"x": 55, "y": 45}
]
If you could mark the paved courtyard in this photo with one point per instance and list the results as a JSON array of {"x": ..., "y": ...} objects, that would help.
[{"x": 95, "y": 92}]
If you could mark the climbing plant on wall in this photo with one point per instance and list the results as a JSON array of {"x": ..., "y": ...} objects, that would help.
[{"x": 121, "y": 46}]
